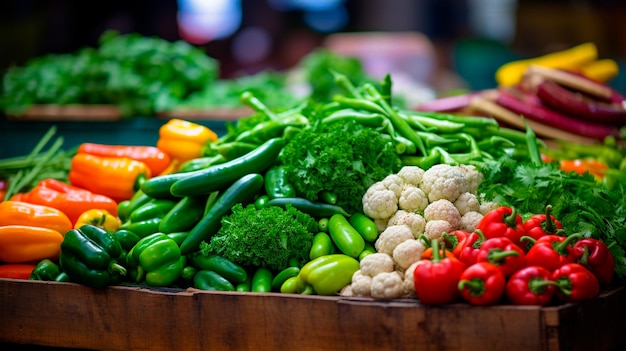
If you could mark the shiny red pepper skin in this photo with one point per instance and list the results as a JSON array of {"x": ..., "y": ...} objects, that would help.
[
  {"x": 552, "y": 251},
  {"x": 503, "y": 221},
  {"x": 531, "y": 285},
  {"x": 482, "y": 284},
  {"x": 470, "y": 247},
  {"x": 455, "y": 240},
  {"x": 541, "y": 224},
  {"x": 595, "y": 256},
  {"x": 502, "y": 253},
  {"x": 575, "y": 283},
  {"x": 436, "y": 281}
]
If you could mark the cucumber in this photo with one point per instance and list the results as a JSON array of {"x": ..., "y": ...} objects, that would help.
[
  {"x": 159, "y": 186},
  {"x": 315, "y": 209},
  {"x": 220, "y": 176},
  {"x": 244, "y": 190},
  {"x": 283, "y": 275}
]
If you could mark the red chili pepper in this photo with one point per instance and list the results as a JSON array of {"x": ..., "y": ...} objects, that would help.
[
  {"x": 455, "y": 241},
  {"x": 531, "y": 285},
  {"x": 595, "y": 256},
  {"x": 16, "y": 270},
  {"x": 503, "y": 221},
  {"x": 541, "y": 224},
  {"x": 482, "y": 284},
  {"x": 436, "y": 281},
  {"x": 471, "y": 246},
  {"x": 503, "y": 253},
  {"x": 551, "y": 251},
  {"x": 576, "y": 283}
]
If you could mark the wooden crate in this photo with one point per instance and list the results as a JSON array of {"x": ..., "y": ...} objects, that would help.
[{"x": 134, "y": 318}]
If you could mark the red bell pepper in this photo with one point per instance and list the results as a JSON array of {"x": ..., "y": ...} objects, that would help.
[
  {"x": 575, "y": 283},
  {"x": 595, "y": 256},
  {"x": 482, "y": 284},
  {"x": 470, "y": 247},
  {"x": 436, "y": 281},
  {"x": 552, "y": 251},
  {"x": 531, "y": 285},
  {"x": 502, "y": 253},
  {"x": 16, "y": 270},
  {"x": 541, "y": 224},
  {"x": 455, "y": 241},
  {"x": 503, "y": 221}
]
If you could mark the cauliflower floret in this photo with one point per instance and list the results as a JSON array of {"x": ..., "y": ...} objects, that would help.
[
  {"x": 361, "y": 284},
  {"x": 408, "y": 285},
  {"x": 473, "y": 176},
  {"x": 415, "y": 221},
  {"x": 436, "y": 227},
  {"x": 412, "y": 199},
  {"x": 376, "y": 263},
  {"x": 411, "y": 175},
  {"x": 467, "y": 202},
  {"x": 394, "y": 183},
  {"x": 346, "y": 291},
  {"x": 387, "y": 285},
  {"x": 444, "y": 210},
  {"x": 379, "y": 202},
  {"x": 486, "y": 206},
  {"x": 381, "y": 223},
  {"x": 391, "y": 237},
  {"x": 444, "y": 181},
  {"x": 470, "y": 220},
  {"x": 408, "y": 252}
]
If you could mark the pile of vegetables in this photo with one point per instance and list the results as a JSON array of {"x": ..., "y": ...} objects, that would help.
[{"x": 353, "y": 196}]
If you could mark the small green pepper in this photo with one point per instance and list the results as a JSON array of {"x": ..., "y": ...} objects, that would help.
[
  {"x": 210, "y": 280},
  {"x": 223, "y": 266},
  {"x": 328, "y": 274},
  {"x": 261, "y": 280},
  {"x": 127, "y": 239},
  {"x": 276, "y": 184},
  {"x": 156, "y": 259},
  {"x": 143, "y": 228},
  {"x": 89, "y": 256},
  {"x": 46, "y": 270},
  {"x": 152, "y": 209}
]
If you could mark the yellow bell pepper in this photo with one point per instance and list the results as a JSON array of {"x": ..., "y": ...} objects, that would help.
[
  {"x": 99, "y": 218},
  {"x": 184, "y": 140},
  {"x": 572, "y": 59}
]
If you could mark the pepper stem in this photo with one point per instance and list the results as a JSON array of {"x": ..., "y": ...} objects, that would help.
[
  {"x": 549, "y": 225},
  {"x": 538, "y": 285},
  {"x": 561, "y": 247},
  {"x": 497, "y": 256},
  {"x": 511, "y": 219},
  {"x": 475, "y": 286}
]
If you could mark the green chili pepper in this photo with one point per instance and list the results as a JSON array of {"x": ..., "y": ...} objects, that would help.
[
  {"x": 125, "y": 208},
  {"x": 202, "y": 162},
  {"x": 267, "y": 130},
  {"x": 328, "y": 274},
  {"x": 368, "y": 119},
  {"x": 345, "y": 237},
  {"x": 261, "y": 280},
  {"x": 89, "y": 256},
  {"x": 276, "y": 184},
  {"x": 151, "y": 209},
  {"x": 261, "y": 201},
  {"x": 212, "y": 281},
  {"x": 156, "y": 259},
  {"x": 127, "y": 240},
  {"x": 424, "y": 162},
  {"x": 226, "y": 268},
  {"x": 248, "y": 99},
  {"x": 183, "y": 215},
  {"x": 368, "y": 250},
  {"x": 280, "y": 278},
  {"x": 315, "y": 209},
  {"x": 322, "y": 245},
  {"x": 143, "y": 228},
  {"x": 364, "y": 226},
  {"x": 244, "y": 286}
]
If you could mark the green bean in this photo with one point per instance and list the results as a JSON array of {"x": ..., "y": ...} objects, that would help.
[
  {"x": 432, "y": 124},
  {"x": 252, "y": 101}
]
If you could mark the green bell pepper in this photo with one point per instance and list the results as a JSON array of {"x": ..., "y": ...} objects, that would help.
[
  {"x": 90, "y": 256},
  {"x": 156, "y": 259},
  {"x": 328, "y": 274},
  {"x": 276, "y": 184},
  {"x": 48, "y": 270}
]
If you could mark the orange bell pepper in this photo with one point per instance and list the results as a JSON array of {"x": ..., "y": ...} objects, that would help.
[
  {"x": 71, "y": 200},
  {"x": 156, "y": 159},
  {"x": 596, "y": 167},
  {"x": 184, "y": 140},
  {"x": 24, "y": 213},
  {"x": 99, "y": 218},
  {"x": 16, "y": 270},
  {"x": 23, "y": 244},
  {"x": 115, "y": 177}
]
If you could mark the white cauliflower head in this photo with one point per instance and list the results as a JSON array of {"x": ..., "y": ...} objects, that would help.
[
  {"x": 411, "y": 175},
  {"x": 444, "y": 181},
  {"x": 474, "y": 177},
  {"x": 486, "y": 206},
  {"x": 394, "y": 183},
  {"x": 379, "y": 202},
  {"x": 376, "y": 263},
  {"x": 387, "y": 285},
  {"x": 436, "y": 227},
  {"x": 391, "y": 237},
  {"x": 408, "y": 252},
  {"x": 412, "y": 199},
  {"x": 408, "y": 285},
  {"x": 470, "y": 220},
  {"x": 443, "y": 209},
  {"x": 361, "y": 284},
  {"x": 415, "y": 221},
  {"x": 467, "y": 202}
]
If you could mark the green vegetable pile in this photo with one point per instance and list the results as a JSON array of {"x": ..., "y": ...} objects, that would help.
[
  {"x": 268, "y": 237},
  {"x": 141, "y": 75}
]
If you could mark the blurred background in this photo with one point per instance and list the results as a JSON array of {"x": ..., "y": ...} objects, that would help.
[{"x": 463, "y": 41}]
